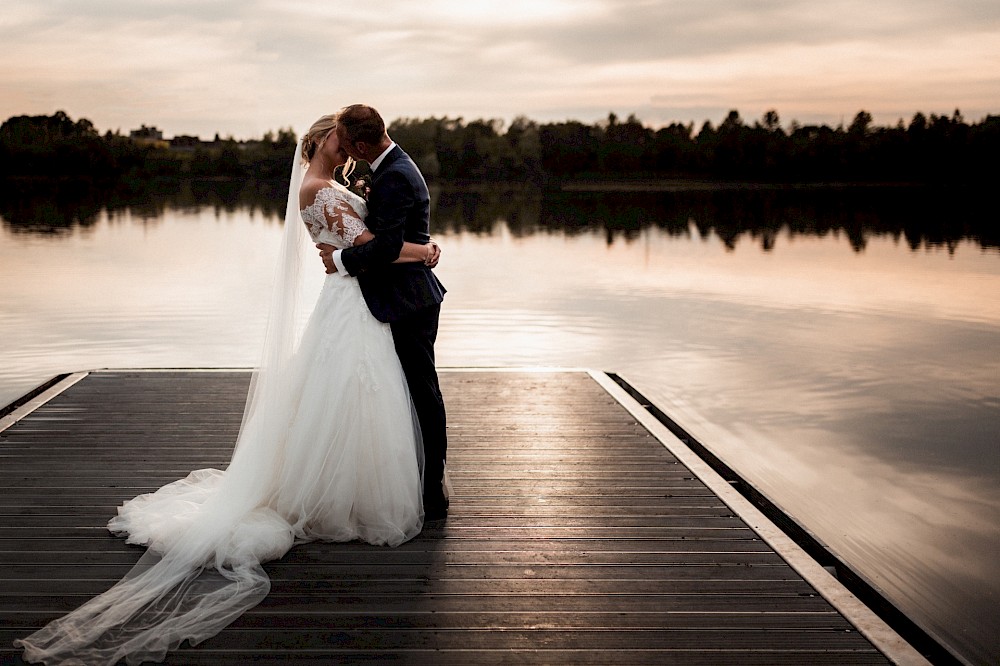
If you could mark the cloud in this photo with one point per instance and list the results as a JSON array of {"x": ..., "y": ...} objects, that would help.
[{"x": 193, "y": 66}]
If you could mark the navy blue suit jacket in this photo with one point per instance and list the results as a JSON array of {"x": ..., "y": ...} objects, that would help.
[{"x": 398, "y": 210}]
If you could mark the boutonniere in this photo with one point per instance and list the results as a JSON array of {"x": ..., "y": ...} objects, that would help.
[
  {"x": 357, "y": 178},
  {"x": 362, "y": 186}
]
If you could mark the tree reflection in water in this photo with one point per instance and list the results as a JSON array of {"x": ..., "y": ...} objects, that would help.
[{"x": 923, "y": 217}]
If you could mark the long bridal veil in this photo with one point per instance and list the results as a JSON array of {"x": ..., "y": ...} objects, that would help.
[{"x": 209, "y": 532}]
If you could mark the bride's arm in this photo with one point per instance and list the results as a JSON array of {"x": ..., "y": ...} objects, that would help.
[{"x": 343, "y": 220}]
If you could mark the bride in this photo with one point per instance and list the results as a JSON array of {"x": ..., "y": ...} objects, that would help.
[{"x": 329, "y": 449}]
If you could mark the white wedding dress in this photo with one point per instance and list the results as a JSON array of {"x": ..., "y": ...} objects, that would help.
[{"x": 329, "y": 450}]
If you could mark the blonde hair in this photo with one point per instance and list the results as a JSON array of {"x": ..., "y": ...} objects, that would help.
[{"x": 315, "y": 135}]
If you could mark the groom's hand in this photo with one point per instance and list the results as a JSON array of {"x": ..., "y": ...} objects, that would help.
[
  {"x": 326, "y": 254},
  {"x": 433, "y": 254}
]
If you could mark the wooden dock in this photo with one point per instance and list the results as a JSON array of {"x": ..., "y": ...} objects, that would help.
[{"x": 575, "y": 537}]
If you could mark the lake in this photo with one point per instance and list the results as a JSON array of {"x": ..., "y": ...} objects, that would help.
[{"x": 838, "y": 347}]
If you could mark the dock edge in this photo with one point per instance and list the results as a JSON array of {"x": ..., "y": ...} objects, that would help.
[
  {"x": 884, "y": 637},
  {"x": 37, "y": 397}
]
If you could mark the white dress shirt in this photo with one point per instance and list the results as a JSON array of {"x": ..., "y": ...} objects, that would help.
[{"x": 338, "y": 262}]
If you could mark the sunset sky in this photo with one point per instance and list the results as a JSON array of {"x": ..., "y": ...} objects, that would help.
[{"x": 241, "y": 68}]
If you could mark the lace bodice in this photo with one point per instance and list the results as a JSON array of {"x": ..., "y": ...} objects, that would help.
[{"x": 335, "y": 217}]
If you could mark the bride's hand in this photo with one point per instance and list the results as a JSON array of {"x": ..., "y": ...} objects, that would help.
[
  {"x": 326, "y": 254},
  {"x": 433, "y": 254}
]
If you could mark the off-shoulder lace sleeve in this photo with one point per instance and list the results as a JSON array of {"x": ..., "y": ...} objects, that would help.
[
  {"x": 333, "y": 216},
  {"x": 341, "y": 218}
]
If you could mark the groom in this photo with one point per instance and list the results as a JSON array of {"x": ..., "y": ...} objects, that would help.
[{"x": 408, "y": 296}]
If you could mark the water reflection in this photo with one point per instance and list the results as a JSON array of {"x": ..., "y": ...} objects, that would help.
[
  {"x": 922, "y": 217},
  {"x": 58, "y": 207}
]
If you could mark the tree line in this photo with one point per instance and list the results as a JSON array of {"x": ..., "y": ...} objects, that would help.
[
  {"x": 934, "y": 148},
  {"x": 47, "y": 146}
]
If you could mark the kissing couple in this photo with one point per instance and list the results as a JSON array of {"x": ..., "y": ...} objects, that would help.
[{"x": 343, "y": 434}]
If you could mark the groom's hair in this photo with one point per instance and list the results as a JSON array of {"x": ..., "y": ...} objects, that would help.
[{"x": 362, "y": 123}]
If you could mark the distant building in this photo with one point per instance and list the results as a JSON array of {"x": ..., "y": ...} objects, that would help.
[{"x": 146, "y": 135}]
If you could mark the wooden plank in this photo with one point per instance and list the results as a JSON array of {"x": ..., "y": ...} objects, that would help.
[
  {"x": 576, "y": 604},
  {"x": 111, "y": 550},
  {"x": 445, "y": 585},
  {"x": 535, "y": 654},
  {"x": 112, "y": 571},
  {"x": 574, "y": 537},
  {"x": 404, "y": 638},
  {"x": 430, "y": 619}
]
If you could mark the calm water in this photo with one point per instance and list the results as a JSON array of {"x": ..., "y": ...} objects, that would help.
[{"x": 841, "y": 349}]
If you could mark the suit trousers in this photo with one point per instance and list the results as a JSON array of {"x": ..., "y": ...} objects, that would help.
[{"x": 414, "y": 336}]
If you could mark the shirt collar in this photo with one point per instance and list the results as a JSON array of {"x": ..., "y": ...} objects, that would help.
[{"x": 378, "y": 160}]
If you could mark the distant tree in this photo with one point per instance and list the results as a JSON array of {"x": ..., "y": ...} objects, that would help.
[
  {"x": 569, "y": 148},
  {"x": 52, "y": 145},
  {"x": 862, "y": 121},
  {"x": 771, "y": 121},
  {"x": 525, "y": 139},
  {"x": 732, "y": 124},
  {"x": 673, "y": 149},
  {"x": 268, "y": 158},
  {"x": 983, "y": 147},
  {"x": 227, "y": 162},
  {"x": 485, "y": 154},
  {"x": 731, "y": 146},
  {"x": 918, "y": 124},
  {"x": 623, "y": 146},
  {"x": 421, "y": 139}
]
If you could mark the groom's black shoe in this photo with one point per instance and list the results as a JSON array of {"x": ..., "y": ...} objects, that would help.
[
  {"x": 435, "y": 510},
  {"x": 438, "y": 513}
]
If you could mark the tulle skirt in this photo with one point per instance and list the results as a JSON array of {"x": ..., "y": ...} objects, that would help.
[
  {"x": 347, "y": 465},
  {"x": 333, "y": 455}
]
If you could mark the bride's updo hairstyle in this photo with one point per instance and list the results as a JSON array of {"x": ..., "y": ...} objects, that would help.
[{"x": 316, "y": 134}]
